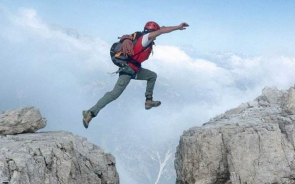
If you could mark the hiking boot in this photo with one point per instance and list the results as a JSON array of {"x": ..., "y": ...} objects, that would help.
[
  {"x": 87, "y": 117},
  {"x": 149, "y": 103}
]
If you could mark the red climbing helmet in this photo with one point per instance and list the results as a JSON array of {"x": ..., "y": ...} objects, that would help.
[{"x": 151, "y": 26}]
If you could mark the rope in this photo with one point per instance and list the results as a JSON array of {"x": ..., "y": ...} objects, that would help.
[{"x": 127, "y": 45}]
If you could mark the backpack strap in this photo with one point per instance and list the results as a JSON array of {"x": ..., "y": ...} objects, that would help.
[{"x": 136, "y": 35}]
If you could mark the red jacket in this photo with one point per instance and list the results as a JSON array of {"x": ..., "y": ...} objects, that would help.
[{"x": 140, "y": 55}]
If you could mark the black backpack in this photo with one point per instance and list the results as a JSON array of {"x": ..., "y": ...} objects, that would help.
[{"x": 120, "y": 59}]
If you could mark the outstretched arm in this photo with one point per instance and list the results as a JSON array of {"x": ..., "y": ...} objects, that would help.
[{"x": 169, "y": 29}]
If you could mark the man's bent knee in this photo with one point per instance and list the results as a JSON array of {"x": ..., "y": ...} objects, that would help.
[{"x": 153, "y": 76}]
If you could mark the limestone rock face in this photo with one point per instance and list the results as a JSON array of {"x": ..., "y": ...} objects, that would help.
[
  {"x": 253, "y": 143},
  {"x": 25, "y": 120},
  {"x": 54, "y": 158},
  {"x": 289, "y": 106}
]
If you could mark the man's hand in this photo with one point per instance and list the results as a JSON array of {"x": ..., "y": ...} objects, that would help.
[{"x": 183, "y": 26}]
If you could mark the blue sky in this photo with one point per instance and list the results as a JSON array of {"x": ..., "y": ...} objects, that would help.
[{"x": 248, "y": 27}]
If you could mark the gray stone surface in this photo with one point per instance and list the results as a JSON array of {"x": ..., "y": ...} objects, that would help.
[
  {"x": 54, "y": 158},
  {"x": 24, "y": 120},
  {"x": 253, "y": 143}
]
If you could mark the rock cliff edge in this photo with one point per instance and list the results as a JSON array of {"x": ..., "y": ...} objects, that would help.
[
  {"x": 253, "y": 143},
  {"x": 49, "y": 157}
]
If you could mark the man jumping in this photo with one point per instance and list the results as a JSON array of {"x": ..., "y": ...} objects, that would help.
[{"x": 133, "y": 70}]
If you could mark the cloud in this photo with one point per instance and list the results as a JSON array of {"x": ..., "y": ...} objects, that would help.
[
  {"x": 227, "y": 69},
  {"x": 93, "y": 52},
  {"x": 170, "y": 54}
]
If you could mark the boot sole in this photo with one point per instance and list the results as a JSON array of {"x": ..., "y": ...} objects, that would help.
[{"x": 148, "y": 108}]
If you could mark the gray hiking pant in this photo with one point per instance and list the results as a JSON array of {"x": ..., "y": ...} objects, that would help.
[{"x": 123, "y": 81}]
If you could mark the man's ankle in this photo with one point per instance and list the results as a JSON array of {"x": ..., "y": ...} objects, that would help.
[{"x": 149, "y": 97}]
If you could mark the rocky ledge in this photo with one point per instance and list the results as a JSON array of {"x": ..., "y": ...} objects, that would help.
[
  {"x": 24, "y": 120},
  {"x": 253, "y": 144},
  {"x": 52, "y": 158}
]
